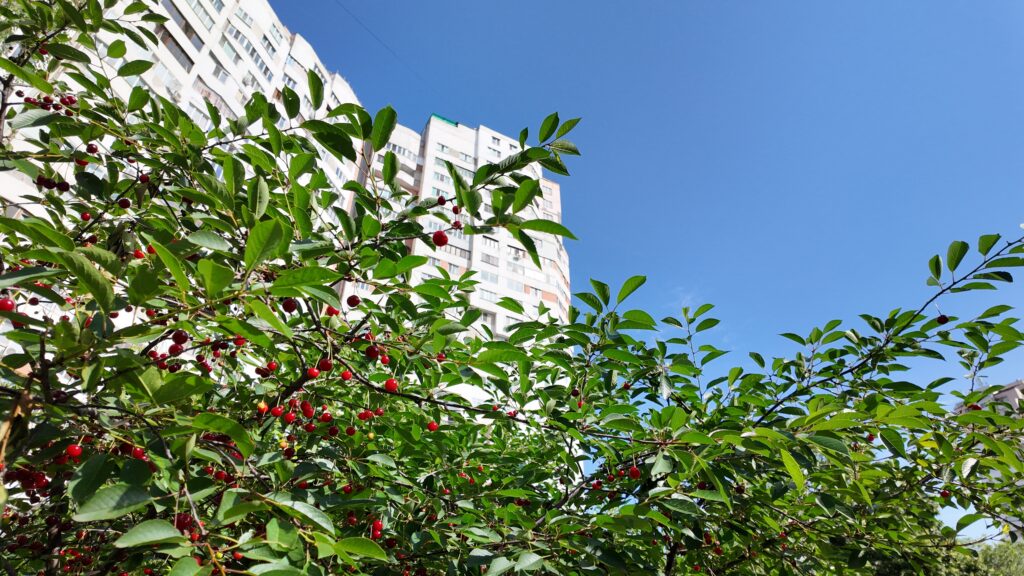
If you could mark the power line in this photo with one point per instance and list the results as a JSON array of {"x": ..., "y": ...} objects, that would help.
[{"x": 382, "y": 42}]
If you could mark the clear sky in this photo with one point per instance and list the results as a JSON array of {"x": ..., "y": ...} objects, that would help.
[{"x": 791, "y": 162}]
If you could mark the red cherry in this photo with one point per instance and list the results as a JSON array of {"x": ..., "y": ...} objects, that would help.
[
  {"x": 7, "y": 305},
  {"x": 139, "y": 254},
  {"x": 456, "y": 209},
  {"x": 262, "y": 407},
  {"x": 73, "y": 450},
  {"x": 353, "y": 301},
  {"x": 372, "y": 352},
  {"x": 276, "y": 411},
  {"x": 125, "y": 203},
  {"x": 237, "y": 555},
  {"x": 441, "y": 357},
  {"x": 351, "y": 431},
  {"x": 92, "y": 148},
  {"x": 626, "y": 386},
  {"x": 332, "y": 311},
  {"x": 290, "y": 417},
  {"x": 634, "y": 472},
  {"x": 346, "y": 375},
  {"x": 138, "y": 453},
  {"x": 81, "y": 161},
  {"x": 718, "y": 551},
  {"x": 391, "y": 385},
  {"x": 385, "y": 360},
  {"x": 378, "y": 412},
  {"x": 180, "y": 337},
  {"x": 974, "y": 407},
  {"x": 333, "y": 431},
  {"x": 945, "y": 494},
  {"x": 942, "y": 319},
  {"x": 86, "y": 216},
  {"x": 457, "y": 225},
  {"x": 441, "y": 200},
  {"x": 439, "y": 238},
  {"x": 325, "y": 417},
  {"x": 432, "y": 426},
  {"x": 347, "y": 489},
  {"x": 312, "y": 372},
  {"x": 325, "y": 365},
  {"x": 289, "y": 305},
  {"x": 144, "y": 178}
]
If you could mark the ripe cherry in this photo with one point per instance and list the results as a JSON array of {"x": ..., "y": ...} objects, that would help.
[
  {"x": 432, "y": 426},
  {"x": 276, "y": 411},
  {"x": 372, "y": 352},
  {"x": 138, "y": 453},
  {"x": 73, "y": 450},
  {"x": 312, "y": 372},
  {"x": 124, "y": 203},
  {"x": 346, "y": 375},
  {"x": 347, "y": 488},
  {"x": 7, "y": 305},
  {"x": 289, "y": 305},
  {"x": 441, "y": 200},
  {"x": 378, "y": 412},
  {"x": 942, "y": 319},
  {"x": 139, "y": 254},
  {"x": 456, "y": 209},
  {"x": 144, "y": 178},
  {"x": 441, "y": 357},
  {"x": 326, "y": 417},
  {"x": 92, "y": 148},
  {"x": 945, "y": 494},
  {"x": 351, "y": 430},
  {"x": 391, "y": 385},
  {"x": 237, "y": 555},
  {"x": 262, "y": 407},
  {"x": 385, "y": 359},
  {"x": 439, "y": 238},
  {"x": 353, "y": 301},
  {"x": 634, "y": 472},
  {"x": 325, "y": 365},
  {"x": 332, "y": 311},
  {"x": 179, "y": 337},
  {"x": 870, "y": 437},
  {"x": 457, "y": 225},
  {"x": 974, "y": 407},
  {"x": 271, "y": 365},
  {"x": 86, "y": 216}
]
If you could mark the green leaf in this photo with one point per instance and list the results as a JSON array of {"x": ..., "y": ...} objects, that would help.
[
  {"x": 172, "y": 264},
  {"x": 90, "y": 278},
  {"x": 88, "y": 477},
  {"x": 499, "y": 565},
  {"x": 264, "y": 240},
  {"x": 268, "y": 316},
  {"x": 27, "y": 76},
  {"x": 316, "y": 89},
  {"x": 65, "y": 52},
  {"x": 547, "y": 226},
  {"x": 830, "y": 443},
  {"x": 501, "y": 355},
  {"x": 259, "y": 198},
  {"x": 956, "y": 252},
  {"x": 138, "y": 99},
  {"x": 793, "y": 468},
  {"x": 150, "y": 532},
  {"x": 360, "y": 547},
  {"x": 74, "y": 15},
  {"x": 117, "y": 49},
  {"x": 180, "y": 386},
  {"x": 224, "y": 425},
  {"x": 187, "y": 567},
  {"x": 529, "y": 561},
  {"x": 306, "y": 276},
  {"x": 894, "y": 442},
  {"x": 383, "y": 125},
  {"x": 567, "y": 127},
  {"x": 548, "y": 127},
  {"x": 215, "y": 276},
  {"x": 307, "y": 512},
  {"x": 134, "y": 68},
  {"x": 291, "y": 102},
  {"x": 112, "y": 502},
  {"x": 300, "y": 164},
  {"x": 629, "y": 286},
  {"x": 935, "y": 267},
  {"x": 986, "y": 242},
  {"x": 209, "y": 239}
]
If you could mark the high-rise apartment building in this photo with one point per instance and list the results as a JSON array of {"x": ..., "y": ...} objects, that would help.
[{"x": 503, "y": 268}]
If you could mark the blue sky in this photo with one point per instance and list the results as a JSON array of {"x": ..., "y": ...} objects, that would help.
[{"x": 791, "y": 162}]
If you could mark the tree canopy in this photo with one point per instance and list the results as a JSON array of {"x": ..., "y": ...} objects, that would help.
[{"x": 186, "y": 392}]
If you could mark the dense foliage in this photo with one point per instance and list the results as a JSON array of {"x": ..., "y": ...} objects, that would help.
[
  {"x": 186, "y": 392},
  {"x": 1001, "y": 559}
]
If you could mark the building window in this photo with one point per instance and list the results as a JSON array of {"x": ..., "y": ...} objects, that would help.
[
  {"x": 495, "y": 152},
  {"x": 251, "y": 50},
  {"x": 219, "y": 71},
  {"x": 490, "y": 243},
  {"x": 400, "y": 151},
  {"x": 489, "y": 276},
  {"x": 233, "y": 55},
  {"x": 456, "y": 251},
  {"x": 276, "y": 34},
  {"x": 453, "y": 268},
  {"x": 495, "y": 140},
  {"x": 244, "y": 16},
  {"x": 442, "y": 178},
  {"x": 174, "y": 48},
  {"x": 465, "y": 157},
  {"x": 516, "y": 253},
  {"x": 434, "y": 261},
  {"x": 218, "y": 5},
  {"x": 515, "y": 285},
  {"x": 269, "y": 46},
  {"x": 182, "y": 23},
  {"x": 516, "y": 268},
  {"x": 488, "y": 296},
  {"x": 489, "y": 259},
  {"x": 204, "y": 16},
  {"x": 290, "y": 82},
  {"x": 442, "y": 148},
  {"x": 512, "y": 146}
]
